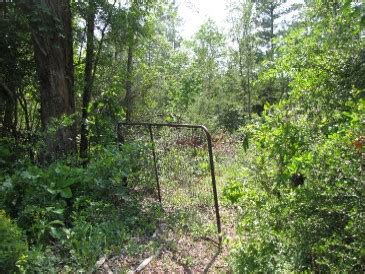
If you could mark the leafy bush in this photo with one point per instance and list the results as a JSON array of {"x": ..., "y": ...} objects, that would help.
[
  {"x": 12, "y": 245},
  {"x": 71, "y": 215},
  {"x": 12, "y": 154},
  {"x": 229, "y": 118},
  {"x": 303, "y": 206},
  {"x": 40, "y": 259},
  {"x": 315, "y": 225}
]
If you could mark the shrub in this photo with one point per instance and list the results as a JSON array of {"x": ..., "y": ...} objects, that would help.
[
  {"x": 12, "y": 245},
  {"x": 40, "y": 259},
  {"x": 311, "y": 226},
  {"x": 229, "y": 118}
]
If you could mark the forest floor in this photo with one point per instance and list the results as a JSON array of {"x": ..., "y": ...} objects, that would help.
[
  {"x": 185, "y": 238},
  {"x": 177, "y": 250}
]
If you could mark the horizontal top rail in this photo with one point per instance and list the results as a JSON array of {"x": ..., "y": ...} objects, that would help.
[{"x": 165, "y": 125}]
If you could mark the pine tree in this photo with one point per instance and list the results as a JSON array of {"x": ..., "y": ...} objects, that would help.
[{"x": 267, "y": 23}]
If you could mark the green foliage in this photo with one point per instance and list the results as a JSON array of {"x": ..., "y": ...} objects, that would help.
[
  {"x": 7, "y": 158},
  {"x": 12, "y": 246},
  {"x": 233, "y": 192},
  {"x": 303, "y": 203},
  {"x": 311, "y": 227},
  {"x": 76, "y": 215},
  {"x": 229, "y": 118},
  {"x": 97, "y": 229},
  {"x": 40, "y": 260}
]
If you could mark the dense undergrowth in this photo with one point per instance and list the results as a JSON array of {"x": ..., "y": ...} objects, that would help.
[
  {"x": 303, "y": 197},
  {"x": 64, "y": 217},
  {"x": 307, "y": 214}
]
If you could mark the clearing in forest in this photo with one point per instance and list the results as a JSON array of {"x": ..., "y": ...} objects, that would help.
[{"x": 185, "y": 237}]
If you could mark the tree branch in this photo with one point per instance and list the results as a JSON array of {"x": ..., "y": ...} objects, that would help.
[
  {"x": 100, "y": 45},
  {"x": 7, "y": 91}
]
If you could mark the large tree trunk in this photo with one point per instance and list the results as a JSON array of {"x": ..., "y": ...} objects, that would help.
[
  {"x": 52, "y": 39},
  {"x": 88, "y": 80}
]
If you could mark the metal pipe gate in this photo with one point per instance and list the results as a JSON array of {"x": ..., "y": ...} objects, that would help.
[{"x": 150, "y": 127}]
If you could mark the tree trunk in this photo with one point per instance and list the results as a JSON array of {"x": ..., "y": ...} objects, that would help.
[
  {"x": 241, "y": 69},
  {"x": 9, "y": 121},
  {"x": 272, "y": 19},
  {"x": 88, "y": 81},
  {"x": 128, "y": 84},
  {"x": 3, "y": 8},
  {"x": 9, "y": 114},
  {"x": 249, "y": 89},
  {"x": 54, "y": 59},
  {"x": 24, "y": 105}
]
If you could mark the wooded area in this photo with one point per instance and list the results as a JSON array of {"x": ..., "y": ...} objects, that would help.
[{"x": 282, "y": 91}]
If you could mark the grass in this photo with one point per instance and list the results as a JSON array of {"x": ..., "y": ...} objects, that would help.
[{"x": 189, "y": 233}]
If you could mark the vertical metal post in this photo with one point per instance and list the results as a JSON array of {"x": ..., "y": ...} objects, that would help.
[
  {"x": 214, "y": 185},
  {"x": 155, "y": 163}
]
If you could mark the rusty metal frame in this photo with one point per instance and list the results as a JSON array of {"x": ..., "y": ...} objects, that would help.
[{"x": 211, "y": 160}]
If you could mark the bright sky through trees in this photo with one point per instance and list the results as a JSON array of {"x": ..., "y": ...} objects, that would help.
[{"x": 195, "y": 13}]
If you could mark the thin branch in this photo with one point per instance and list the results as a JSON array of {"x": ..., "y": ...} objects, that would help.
[
  {"x": 97, "y": 57},
  {"x": 7, "y": 91}
]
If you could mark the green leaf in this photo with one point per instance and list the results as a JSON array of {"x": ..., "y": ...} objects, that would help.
[
  {"x": 362, "y": 22},
  {"x": 58, "y": 211},
  {"x": 346, "y": 5},
  {"x": 56, "y": 222},
  {"x": 55, "y": 233},
  {"x": 66, "y": 182},
  {"x": 27, "y": 175},
  {"x": 66, "y": 193}
]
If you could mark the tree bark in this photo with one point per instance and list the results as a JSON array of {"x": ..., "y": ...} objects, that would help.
[
  {"x": 88, "y": 80},
  {"x": 53, "y": 52}
]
